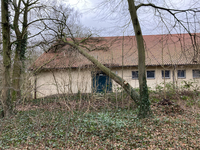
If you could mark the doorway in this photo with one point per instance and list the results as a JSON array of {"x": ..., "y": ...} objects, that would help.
[{"x": 101, "y": 83}]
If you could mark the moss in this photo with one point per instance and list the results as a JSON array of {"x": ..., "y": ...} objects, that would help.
[{"x": 144, "y": 107}]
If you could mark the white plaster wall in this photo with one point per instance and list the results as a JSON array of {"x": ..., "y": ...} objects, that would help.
[
  {"x": 72, "y": 81},
  {"x": 189, "y": 76},
  {"x": 158, "y": 80},
  {"x": 60, "y": 82}
]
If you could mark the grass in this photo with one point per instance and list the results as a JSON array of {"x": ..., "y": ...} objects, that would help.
[{"x": 99, "y": 125}]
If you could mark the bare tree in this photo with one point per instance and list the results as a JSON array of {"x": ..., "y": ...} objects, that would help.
[
  {"x": 144, "y": 109},
  {"x": 144, "y": 102},
  {"x": 20, "y": 25},
  {"x": 6, "y": 99},
  {"x": 21, "y": 42},
  {"x": 63, "y": 32},
  {"x": 184, "y": 19}
]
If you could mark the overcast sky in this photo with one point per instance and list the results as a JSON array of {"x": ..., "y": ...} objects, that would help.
[
  {"x": 112, "y": 25},
  {"x": 90, "y": 17}
]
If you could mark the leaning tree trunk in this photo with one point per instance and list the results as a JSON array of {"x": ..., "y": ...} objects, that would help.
[
  {"x": 6, "y": 99},
  {"x": 127, "y": 87},
  {"x": 144, "y": 107}
]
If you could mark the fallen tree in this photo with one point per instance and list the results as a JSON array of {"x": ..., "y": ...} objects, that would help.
[{"x": 124, "y": 84}]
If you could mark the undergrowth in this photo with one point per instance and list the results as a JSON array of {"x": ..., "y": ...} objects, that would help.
[
  {"x": 111, "y": 129},
  {"x": 95, "y": 122}
]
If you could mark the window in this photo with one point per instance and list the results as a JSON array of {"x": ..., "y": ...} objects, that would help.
[
  {"x": 196, "y": 73},
  {"x": 166, "y": 74},
  {"x": 134, "y": 74},
  {"x": 181, "y": 74},
  {"x": 150, "y": 74}
]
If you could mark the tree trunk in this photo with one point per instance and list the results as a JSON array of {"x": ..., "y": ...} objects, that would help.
[
  {"x": 6, "y": 99},
  {"x": 16, "y": 94},
  {"x": 144, "y": 109},
  {"x": 20, "y": 48},
  {"x": 127, "y": 87}
]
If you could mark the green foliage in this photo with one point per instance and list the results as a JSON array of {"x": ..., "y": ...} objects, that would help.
[
  {"x": 52, "y": 128},
  {"x": 170, "y": 89},
  {"x": 190, "y": 85},
  {"x": 103, "y": 128},
  {"x": 187, "y": 84},
  {"x": 169, "y": 86},
  {"x": 159, "y": 88},
  {"x": 188, "y": 90},
  {"x": 42, "y": 129},
  {"x": 154, "y": 99},
  {"x": 184, "y": 97},
  {"x": 23, "y": 47},
  {"x": 193, "y": 102},
  {"x": 144, "y": 107}
]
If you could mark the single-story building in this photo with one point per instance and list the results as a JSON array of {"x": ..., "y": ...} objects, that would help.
[{"x": 171, "y": 58}]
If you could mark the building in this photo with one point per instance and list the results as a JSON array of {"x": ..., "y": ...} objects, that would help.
[{"x": 170, "y": 58}]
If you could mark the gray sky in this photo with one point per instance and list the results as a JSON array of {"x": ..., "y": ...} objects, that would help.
[
  {"x": 90, "y": 17},
  {"x": 112, "y": 26}
]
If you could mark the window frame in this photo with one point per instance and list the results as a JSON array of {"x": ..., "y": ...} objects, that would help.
[
  {"x": 184, "y": 74},
  {"x": 162, "y": 73},
  {"x": 150, "y": 77},
  {"x": 193, "y": 73},
  {"x": 134, "y": 78}
]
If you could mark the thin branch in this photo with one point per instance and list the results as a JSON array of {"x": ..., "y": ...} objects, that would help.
[{"x": 167, "y": 9}]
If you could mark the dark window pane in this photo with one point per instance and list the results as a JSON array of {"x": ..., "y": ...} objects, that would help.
[
  {"x": 196, "y": 73},
  {"x": 181, "y": 73},
  {"x": 167, "y": 73},
  {"x": 150, "y": 74},
  {"x": 134, "y": 74}
]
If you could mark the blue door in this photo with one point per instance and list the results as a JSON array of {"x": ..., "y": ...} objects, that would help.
[{"x": 101, "y": 83}]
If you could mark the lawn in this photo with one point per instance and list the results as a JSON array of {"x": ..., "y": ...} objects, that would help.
[{"x": 99, "y": 124}]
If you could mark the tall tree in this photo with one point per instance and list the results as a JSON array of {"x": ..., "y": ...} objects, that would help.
[
  {"x": 118, "y": 9},
  {"x": 22, "y": 8},
  {"x": 21, "y": 43},
  {"x": 144, "y": 104},
  {"x": 6, "y": 98},
  {"x": 63, "y": 30},
  {"x": 144, "y": 107},
  {"x": 11, "y": 88}
]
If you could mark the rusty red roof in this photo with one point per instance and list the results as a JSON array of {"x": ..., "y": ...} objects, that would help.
[{"x": 170, "y": 49}]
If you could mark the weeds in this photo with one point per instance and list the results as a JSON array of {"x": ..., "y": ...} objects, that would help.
[
  {"x": 103, "y": 129},
  {"x": 94, "y": 122}
]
